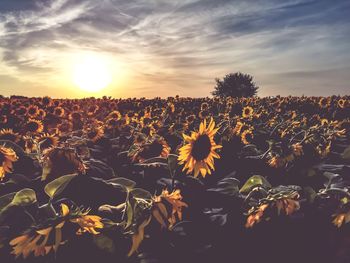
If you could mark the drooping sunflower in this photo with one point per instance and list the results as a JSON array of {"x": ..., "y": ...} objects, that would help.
[
  {"x": 58, "y": 161},
  {"x": 9, "y": 135},
  {"x": 7, "y": 157},
  {"x": 34, "y": 126},
  {"x": 168, "y": 206},
  {"x": 199, "y": 152}
]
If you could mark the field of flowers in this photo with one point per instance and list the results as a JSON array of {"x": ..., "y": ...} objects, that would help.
[{"x": 175, "y": 180}]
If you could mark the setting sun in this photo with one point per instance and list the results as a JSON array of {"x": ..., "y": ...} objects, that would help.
[{"x": 92, "y": 74}]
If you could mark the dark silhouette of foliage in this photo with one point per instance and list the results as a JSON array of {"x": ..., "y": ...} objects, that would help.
[{"x": 235, "y": 85}]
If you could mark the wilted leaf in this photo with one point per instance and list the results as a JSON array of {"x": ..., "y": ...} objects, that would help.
[
  {"x": 138, "y": 237},
  {"x": 56, "y": 187},
  {"x": 172, "y": 163}
]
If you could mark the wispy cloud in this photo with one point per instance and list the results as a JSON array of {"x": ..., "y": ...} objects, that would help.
[{"x": 179, "y": 47}]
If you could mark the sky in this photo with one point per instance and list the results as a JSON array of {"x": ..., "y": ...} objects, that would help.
[{"x": 175, "y": 47}]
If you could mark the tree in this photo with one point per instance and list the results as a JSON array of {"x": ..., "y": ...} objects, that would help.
[{"x": 235, "y": 85}]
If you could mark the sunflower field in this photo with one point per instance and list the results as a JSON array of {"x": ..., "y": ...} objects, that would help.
[{"x": 175, "y": 180}]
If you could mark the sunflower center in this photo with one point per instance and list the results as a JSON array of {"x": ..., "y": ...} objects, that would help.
[
  {"x": 201, "y": 147},
  {"x": 152, "y": 150},
  {"x": 32, "y": 126}
]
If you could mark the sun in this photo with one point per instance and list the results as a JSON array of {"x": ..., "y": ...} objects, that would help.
[{"x": 92, "y": 73}]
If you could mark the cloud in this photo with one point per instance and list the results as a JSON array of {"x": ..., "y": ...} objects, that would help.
[{"x": 181, "y": 46}]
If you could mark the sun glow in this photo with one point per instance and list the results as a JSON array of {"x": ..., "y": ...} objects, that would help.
[{"x": 92, "y": 73}]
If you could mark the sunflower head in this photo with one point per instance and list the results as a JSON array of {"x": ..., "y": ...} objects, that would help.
[
  {"x": 9, "y": 135},
  {"x": 324, "y": 103},
  {"x": 155, "y": 147},
  {"x": 47, "y": 140},
  {"x": 58, "y": 111},
  {"x": 167, "y": 208},
  {"x": 247, "y": 136},
  {"x": 33, "y": 111},
  {"x": 58, "y": 161},
  {"x": 34, "y": 126},
  {"x": 7, "y": 158},
  {"x": 199, "y": 151},
  {"x": 115, "y": 115},
  {"x": 75, "y": 116},
  {"x": 3, "y": 119},
  {"x": 247, "y": 112},
  {"x": 94, "y": 134}
]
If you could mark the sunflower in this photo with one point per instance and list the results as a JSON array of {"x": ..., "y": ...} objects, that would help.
[
  {"x": 34, "y": 126},
  {"x": 29, "y": 243},
  {"x": 3, "y": 119},
  {"x": 256, "y": 215},
  {"x": 204, "y": 106},
  {"x": 247, "y": 136},
  {"x": 47, "y": 140},
  {"x": 88, "y": 223},
  {"x": 94, "y": 134},
  {"x": 161, "y": 205},
  {"x": 7, "y": 157},
  {"x": 41, "y": 114},
  {"x": 115, "y": 115},
  {"x": 9, "y": 135},
  {"x": 33, "y": 111},
  {"x": 297, "y": 149},
  {"x": 341, "y": 103},
  {"x": 199, "y": 152},
  {"x": 75, "y": 116},
  {"x": 156, "y": 147},
  {"x": 324, "y": 122},
  {"x": 203, "y": 114},
  {"x": 247, "y": 112},
  {"x": 276, "y": 162},
  {"x": 92, "y": 110},
  {"x": 58, "y": 111},
  {"x": 323, "y": 103},
  {"x": 58, "y": 161},
  {"x": 29, "y": 144}
]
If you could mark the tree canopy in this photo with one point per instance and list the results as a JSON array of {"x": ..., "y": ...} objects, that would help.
[{"x": 235, "y": 85}]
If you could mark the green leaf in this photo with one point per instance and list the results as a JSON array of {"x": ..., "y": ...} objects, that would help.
[
  {"x": 24, "y": 197},
  {"x": 141, "y": 193},
  {"x": 127, "y": 183},
  {"x": 156, "y": 161},
  {"x": 130, "y": 204},
  {"x": 56, "y": 187},
  {"x": 172, "y": 163},
  {"x": 254, "y": 181},
  {"x": 346, "y": 154},
  {"x": 5, "y": 200},
  {"x": 104, "y": 243}
]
